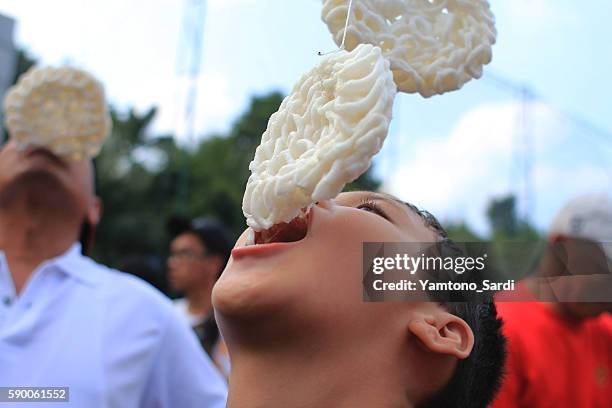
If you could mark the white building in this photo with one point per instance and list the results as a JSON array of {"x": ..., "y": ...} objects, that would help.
[{"x": 7, "y": 56}]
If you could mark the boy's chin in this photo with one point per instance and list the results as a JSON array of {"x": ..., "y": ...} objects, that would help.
[{"x": 236, "y": 296}]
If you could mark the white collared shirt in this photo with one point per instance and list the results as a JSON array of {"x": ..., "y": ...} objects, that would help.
[{"x": 111, "y": 338}]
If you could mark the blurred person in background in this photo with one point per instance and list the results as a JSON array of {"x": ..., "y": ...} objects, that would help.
[
  {"x": 150, "y": 269},
  {"x": 198, "y": 254},
  {"x": 560, "y": 351},
  {"x": 66, "y": 321}
]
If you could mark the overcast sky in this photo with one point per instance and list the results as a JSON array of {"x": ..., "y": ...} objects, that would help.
[{"x": 449, "y": 154}]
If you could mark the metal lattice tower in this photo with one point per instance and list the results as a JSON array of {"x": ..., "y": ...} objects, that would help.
[
  {"x": 188, "y": 64},
  {"x": 525, "y": 150},
  {"x": 189, "y": 61},
  {"x": 523, "y": 154}
]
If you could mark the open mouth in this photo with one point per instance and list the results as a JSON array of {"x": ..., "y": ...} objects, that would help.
[{"x": 292, "y": 231}]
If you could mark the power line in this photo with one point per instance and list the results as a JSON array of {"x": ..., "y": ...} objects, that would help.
[
  {"x": 502, "y": 82},
  {"x": 524, "y": 143}
]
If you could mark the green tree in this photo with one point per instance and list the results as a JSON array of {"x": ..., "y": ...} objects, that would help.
[
  {"x": 127, "y": 188},
  {"x": 502, "y": 216},
  {"x": 516, "y": 245},
  {"x": 461, "y": 232},
  {"x": 23, "y": 62},
  {"x": 219, "y": 167},
  {"x": 505, "y": 223}
]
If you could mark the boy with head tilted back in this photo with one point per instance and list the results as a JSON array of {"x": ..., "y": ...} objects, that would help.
[{"x": 300, "y": 335}]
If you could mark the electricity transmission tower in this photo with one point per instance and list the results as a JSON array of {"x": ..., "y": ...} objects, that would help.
[
  {"x": 188, "y": 64},
  {"x": 523, "y": 154}
]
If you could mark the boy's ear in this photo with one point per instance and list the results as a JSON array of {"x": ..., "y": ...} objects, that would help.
[
  {"x": 443, "y": 333},
  {"x": 94, "y": 212}
]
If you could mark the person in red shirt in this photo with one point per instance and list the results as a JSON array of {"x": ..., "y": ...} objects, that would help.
[{"x": 560, "y": 351}]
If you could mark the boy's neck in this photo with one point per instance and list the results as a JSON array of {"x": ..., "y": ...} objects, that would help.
[{"x": 308, "y": 378}]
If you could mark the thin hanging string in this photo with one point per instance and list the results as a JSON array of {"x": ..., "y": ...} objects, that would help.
[{"x": 348, "y": 15}]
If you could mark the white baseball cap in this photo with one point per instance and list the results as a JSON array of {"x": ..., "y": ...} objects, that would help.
[{"x": 587, "y": 217}]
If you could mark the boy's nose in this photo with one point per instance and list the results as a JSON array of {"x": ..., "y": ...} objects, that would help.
[{"x": 327, "y": 204}]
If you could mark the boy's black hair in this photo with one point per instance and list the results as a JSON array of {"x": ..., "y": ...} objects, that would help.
[
  {"x": 214, "y": 235},
  {"x": 477, "y": 378}
]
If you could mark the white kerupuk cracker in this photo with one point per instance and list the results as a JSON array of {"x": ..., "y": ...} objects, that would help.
[
  {"x": 61, "y": 108},
  {"x": 434, "y": 46},
  {"x": 323, "y": 136}
]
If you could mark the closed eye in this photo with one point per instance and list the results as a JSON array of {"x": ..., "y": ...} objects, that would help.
[{"x": 369, "y": 205}]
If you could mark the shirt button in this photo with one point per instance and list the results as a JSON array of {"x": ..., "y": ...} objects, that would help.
[{"x": 7, "y": 300}]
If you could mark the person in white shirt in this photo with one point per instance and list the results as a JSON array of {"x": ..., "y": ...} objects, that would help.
[{"x": 66, "y": 321}]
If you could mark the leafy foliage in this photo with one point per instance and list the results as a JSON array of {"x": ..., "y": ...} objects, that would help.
[{"x": 23, "y": 62}]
